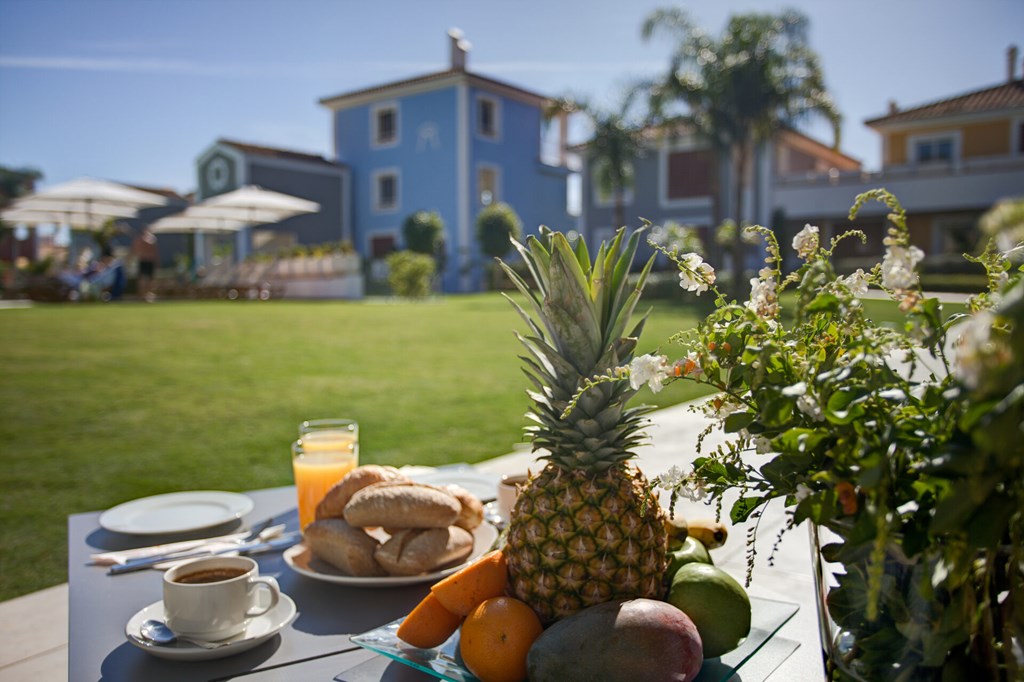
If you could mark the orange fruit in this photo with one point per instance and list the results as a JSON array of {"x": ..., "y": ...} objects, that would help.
[
  {"x": 429, "y": 624},
  {"x": 484, "y": 578},
  {"x": 496, "y": 637}
]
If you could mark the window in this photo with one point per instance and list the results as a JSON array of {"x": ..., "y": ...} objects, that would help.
[
  {"x": 935, "y": 149},
  {"x": 488, "y": 117},
  {"x": 385, "y": 125},
  {"x": 385, "y": 190},
  {"x": 381, "y": 246},
  {"x": 487, "y": 185},
  {"x": 690, "y": 174}
]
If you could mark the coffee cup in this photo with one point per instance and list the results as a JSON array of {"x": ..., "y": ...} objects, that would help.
[
  {"x": 508, "y": 491},
  {"x": 214, "y": 598}
]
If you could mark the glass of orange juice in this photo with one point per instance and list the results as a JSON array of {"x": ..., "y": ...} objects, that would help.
[{"x": 326, "y": 450}]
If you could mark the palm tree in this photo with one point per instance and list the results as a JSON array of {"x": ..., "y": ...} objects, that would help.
[
  {"x": 740, "y": 89},
  {"x": 617, "y": 139}
]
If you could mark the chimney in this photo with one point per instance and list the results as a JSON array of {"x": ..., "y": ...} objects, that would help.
[
  {"x": 459, "y": 49},
  {"x": 1011, "y": 63},
  {"x": 893, "y": 107}
]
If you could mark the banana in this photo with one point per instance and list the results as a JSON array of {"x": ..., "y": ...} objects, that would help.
[
  {"x": 711, "y": 533},
  {"x": 676, "y": 528}
]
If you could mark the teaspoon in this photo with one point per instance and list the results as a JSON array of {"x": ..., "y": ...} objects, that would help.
[{"x": 158, "y": 633}]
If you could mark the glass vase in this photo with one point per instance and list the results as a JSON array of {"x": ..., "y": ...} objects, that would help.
[{"x": 918, "y": 632}]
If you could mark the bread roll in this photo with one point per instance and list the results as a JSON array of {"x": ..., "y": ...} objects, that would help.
[
  {"x": 348, "y": 549},
  {"x": 472, "y": 513},
  {"x": 402, "y": 505},
  {"x": 333, "y": 504},
  {"x": 412, "y": 551}
]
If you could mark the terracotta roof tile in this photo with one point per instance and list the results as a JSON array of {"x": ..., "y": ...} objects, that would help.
[{"x": 998, "y": 97}]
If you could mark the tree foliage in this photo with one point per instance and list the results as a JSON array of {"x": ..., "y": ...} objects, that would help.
[
  {"x": 423, "y": 232},
  {"x": 617, "y": 139},
  {"x": 737, "y": 90},
  {"x": 496, "y": 226}
]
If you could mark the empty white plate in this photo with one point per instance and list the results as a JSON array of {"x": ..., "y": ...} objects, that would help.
[{"x": 175, "y": 512}]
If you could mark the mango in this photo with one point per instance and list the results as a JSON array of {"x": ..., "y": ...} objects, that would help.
[
  {"x": 627, "y": 640},
  {"x": 715, "y": 603}
]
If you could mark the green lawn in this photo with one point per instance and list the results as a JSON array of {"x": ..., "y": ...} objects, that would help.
[{"x": 100, "y": 404}]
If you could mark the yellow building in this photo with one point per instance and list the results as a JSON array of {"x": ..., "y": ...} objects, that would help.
[{"x": 948, "y": 161}]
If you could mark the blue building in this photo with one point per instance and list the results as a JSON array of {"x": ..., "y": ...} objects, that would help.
[{"x": 450, "y": 142}]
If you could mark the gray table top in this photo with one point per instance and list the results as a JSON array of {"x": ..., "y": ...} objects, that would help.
[
  {"x": 316, "y": 645},
  {"x": 101, "y": 605}
]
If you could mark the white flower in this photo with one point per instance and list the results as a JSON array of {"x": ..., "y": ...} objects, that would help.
[
  {"x": 649, "y": 369},
  {"x": 690, "y": 365},
  {"x": 799, "y": 388},
  {"x": 802, "y": 491},
  {"x": 978, "y": 352},
  {"x": 671, "y": 479},
  {"x": 694, "y": 274},
  {"x": 720, "y": 407},
  {"x": 693, "y": 488},
  {"x": 806, "y": 241},
  {"x": 809, "y": 406},
  {"x": 764, "y": 300},
  {"x": 898, "y": 266},
  {"x": 687, "y": 485},
  {"x": 762, "y": 445},
  {"x": 857, "y": 283}
]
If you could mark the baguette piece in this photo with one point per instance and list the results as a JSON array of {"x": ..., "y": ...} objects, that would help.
[
  {"x": 412, "y": 551},
  {"x": 402, "y": 505},
  {"x": 472, "y": 513},
  {"x": 348, "y": 549},
  {"x": 333, "y": 504}
]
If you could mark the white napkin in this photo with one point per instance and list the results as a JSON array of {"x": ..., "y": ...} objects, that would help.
[{"x": 212, "y": 544}]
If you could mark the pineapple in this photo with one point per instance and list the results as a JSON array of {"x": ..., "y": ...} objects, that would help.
[{"x": 586, "y": 529}]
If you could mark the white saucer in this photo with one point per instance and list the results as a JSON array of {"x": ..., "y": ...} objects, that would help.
[
  {"x": 259, "y": 630},
  {"x": 175, "y": 512}
]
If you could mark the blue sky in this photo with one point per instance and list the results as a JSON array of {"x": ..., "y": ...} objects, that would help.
[{"x": 134, "y": 90}]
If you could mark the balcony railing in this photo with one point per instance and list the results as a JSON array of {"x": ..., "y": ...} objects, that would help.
[{"x": 941, "y": 169}]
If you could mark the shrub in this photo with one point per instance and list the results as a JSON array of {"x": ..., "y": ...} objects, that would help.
[
  {"x": 423, "y": 232},
  {"x": 496, "y": 226},
  {"x": 410, "y": 274}
]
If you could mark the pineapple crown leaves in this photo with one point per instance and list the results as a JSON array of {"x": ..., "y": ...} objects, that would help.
[
  {"x": 580, "y": 312},
  {"x": 584, "y": 308}
]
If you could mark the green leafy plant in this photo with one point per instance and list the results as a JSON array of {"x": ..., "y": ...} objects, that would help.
[
  {"x": 410, "y": 274},
  {"x": 907, "y": 444},
  {"x": 423, "y": 232},
  {"x": 496, "y": 226}
]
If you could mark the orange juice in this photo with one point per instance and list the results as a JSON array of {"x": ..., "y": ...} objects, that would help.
[{"x": 318, "y": 464}]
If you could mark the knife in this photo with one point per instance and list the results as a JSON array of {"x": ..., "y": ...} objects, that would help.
[{"x": 282, "y": 542}]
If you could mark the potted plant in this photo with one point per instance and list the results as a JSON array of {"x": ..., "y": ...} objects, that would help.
[{"x": 906, "y": 445}]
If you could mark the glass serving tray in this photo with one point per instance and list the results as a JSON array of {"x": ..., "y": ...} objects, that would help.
[{"x": 767, "y": 616}]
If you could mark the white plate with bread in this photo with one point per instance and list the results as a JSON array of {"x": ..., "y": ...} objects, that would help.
[
  {"x": 378, "y": 528},
  {"x": 302, "y": 560}
]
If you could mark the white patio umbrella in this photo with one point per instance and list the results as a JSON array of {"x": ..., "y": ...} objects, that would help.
[
  {"x": 94, "y": 192},
  {"x": 85, "y": 203},
  {"x": 187, "y": 222},
  {"x": 253, "y": 205},
  {"x": 76, "y": 220}
]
